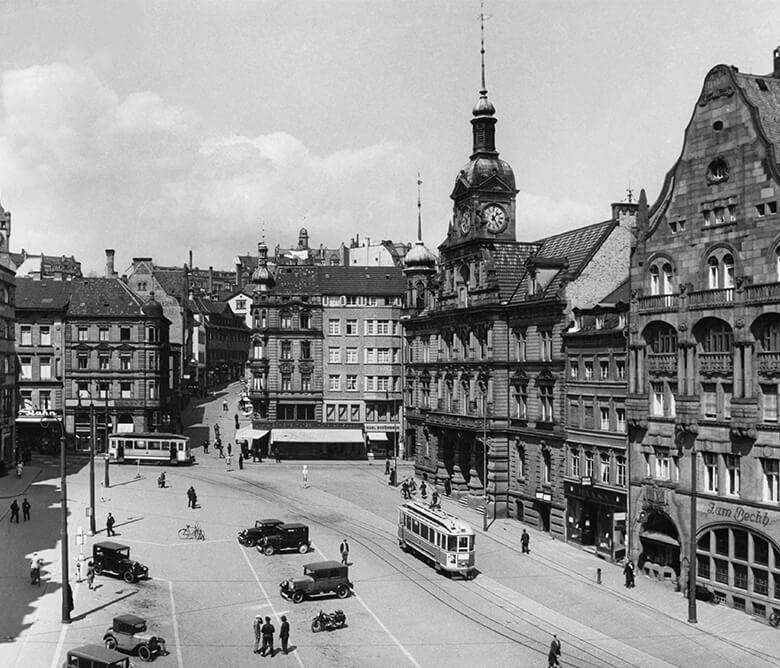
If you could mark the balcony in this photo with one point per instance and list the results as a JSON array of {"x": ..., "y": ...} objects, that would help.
[
  {"x": 768, "y": 364},
  {"x": 711, "y": 298},
  {"x": 658, "y": 303},
  {"x": 761, "y": 294},
  {"x": 663, "y": 364},
  {"x": 711, "y": 364}
]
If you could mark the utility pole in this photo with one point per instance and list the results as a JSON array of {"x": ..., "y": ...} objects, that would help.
[
  {"x": 91, "y": 467},
  {"x": 484, "y": 457},
  {"x": 106, "y": 481},
  {"x": 692, "y": 547},
  {"x": 64, "y": 529}
]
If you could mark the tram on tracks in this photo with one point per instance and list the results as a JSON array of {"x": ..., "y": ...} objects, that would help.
[
  {"x": 443, "y": 538},
  {"x": 158, "y": 447}
]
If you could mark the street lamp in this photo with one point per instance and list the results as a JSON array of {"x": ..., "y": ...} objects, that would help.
[
  {"x": 106, "y": 481},
  {"x": 65, "y": 585},
  {"x": 91, "y": 462},
  {"x": 484, "y": 457}
]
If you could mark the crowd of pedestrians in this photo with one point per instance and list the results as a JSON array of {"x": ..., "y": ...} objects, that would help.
[{"x": 264, "y": 635}]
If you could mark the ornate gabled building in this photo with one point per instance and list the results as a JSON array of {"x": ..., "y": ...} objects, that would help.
[
  {"x": 705, "y": 352},
  {"x": 484, "y": 363}
]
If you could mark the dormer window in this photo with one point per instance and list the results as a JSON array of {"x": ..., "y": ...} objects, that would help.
[
  {"x": 600, "y": 321},
  {"x": 718, "y": 171}
]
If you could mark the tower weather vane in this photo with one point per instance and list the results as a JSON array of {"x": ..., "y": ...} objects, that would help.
[
  {"x": 419, "y": 205},
  {"x": 482, "y": 18}
]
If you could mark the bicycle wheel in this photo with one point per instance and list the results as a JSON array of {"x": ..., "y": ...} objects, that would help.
[
  {"x": 183, "y": 533},
  {"x": 201, "y": 535}
]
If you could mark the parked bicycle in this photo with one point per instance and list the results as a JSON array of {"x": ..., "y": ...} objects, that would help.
[{"x": 192, "y": 532}]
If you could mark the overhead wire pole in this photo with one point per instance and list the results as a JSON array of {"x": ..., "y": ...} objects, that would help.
[{"x": 65, "y": 585}]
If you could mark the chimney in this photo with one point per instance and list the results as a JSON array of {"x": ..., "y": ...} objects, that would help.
[
  {"x": 239, "y": 283},
  {"x": 211, "y": 281},
  {"x": 190, "y": 265},
  {"x": 776, "y": 70},
  {"x": 110, "y": 273}
]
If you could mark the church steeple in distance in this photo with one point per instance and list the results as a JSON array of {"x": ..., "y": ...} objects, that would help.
[{"x": 419, "y": 257}]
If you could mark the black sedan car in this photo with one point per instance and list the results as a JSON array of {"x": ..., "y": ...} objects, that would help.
[{"x": 254, "y": 535}]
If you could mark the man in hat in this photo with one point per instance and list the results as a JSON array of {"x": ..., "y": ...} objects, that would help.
[{"x": 257, "y": 626}]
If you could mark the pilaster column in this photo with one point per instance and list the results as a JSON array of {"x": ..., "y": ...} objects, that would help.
[
  {"x": 682, "y": 373},
  {"x": 737, "y": 375},
  {"x": 640, "y": 370},
  {"x": 690, "y": 354},
  {"x": 748, "y": 371},
  {"x": 632, "y": 371}
]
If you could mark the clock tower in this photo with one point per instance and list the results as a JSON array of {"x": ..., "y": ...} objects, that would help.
[{"x": 484, "y": 193}]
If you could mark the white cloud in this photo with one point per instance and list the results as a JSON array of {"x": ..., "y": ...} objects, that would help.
[
  {"x": 539, "y": 216},
  {"x": 84, "y": 168}
]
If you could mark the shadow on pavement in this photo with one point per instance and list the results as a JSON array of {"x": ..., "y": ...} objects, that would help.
[{"x": 104, "y": 605}]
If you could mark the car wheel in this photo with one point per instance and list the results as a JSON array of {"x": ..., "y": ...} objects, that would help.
[
  {"x": 303, "y": 548},
  {"x": 268, "y": 549},
  {"x": 98, "y": 569},
  {"x": 342, "y": 591},
  {"x": 250, "y": 542},
  {"x": 297, "y": 596},
  {"x": 316, "y": 626},
  {"x": 144, "y": 653},
  {"x": 110, "y": 642},
  {"x": 128, "y": 577}
]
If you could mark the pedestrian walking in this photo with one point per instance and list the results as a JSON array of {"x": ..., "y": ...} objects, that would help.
[
  {"x": 344, "y": 549},
  {"x": 277, "y": 456},
  {"x": 91, "y": 575},
  {"x": 19, "y": 468},
  {"x": 387, "y": 466},
  {"x": 216, "y": 431},
  {"x": 435, "y": 503},
  {"x": 230, "y": 449},
  {"x": 524, "y": 540},
  {"x": 110, "y": 521},
  {"x": 423, "y": 490},
  {"x": 241, "y": 461},
  {"x": 257, "y": 626},
  {"x": 236, "y": 419},
  {"x": 305, "y": 475},
  {"x": 206, "y": 446},
  {"x": 224, "y": 406},
  {"x": 15, "y": 511},
  {"x": 220, "y": 449},
  {"x": 628, "y": 572},
  {"x": 554, "y": 653},
  {"x": 405, "y": 489},
  {"x": 26, "y": 509},
  {"x": 268, "y": 637},
  {"x": 447, "y": 486},
  {"x": 284, "y": 633},
  {"x": 228, "y": 466},
  {"x": 161, "y": 479}
]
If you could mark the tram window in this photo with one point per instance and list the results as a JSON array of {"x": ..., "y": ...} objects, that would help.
[
  {"x": 154, "y": 445},
  {"x": 415, "y": 526},
  {"x": 463, "y": 543},
  {"x": 424, "y": 531},
  {"x": 436, "y": 538},
  {"x": 181, "y": 447},
  {"x": 409, "y": 523},
  {"x": 452, "y": 542}
]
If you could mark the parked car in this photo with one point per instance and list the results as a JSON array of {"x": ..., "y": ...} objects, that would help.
[
  {"x": 128, "y": 633},
  {"x": 95, "y": 656},
  {"x": 110, "y": 557},
  {"x": 320, "y": 577},
  {"x": 252, "y": 536},
  {"x": 287, "y": 537}
]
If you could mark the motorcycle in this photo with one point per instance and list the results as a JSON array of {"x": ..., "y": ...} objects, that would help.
[{"x": 327, "y": 621}]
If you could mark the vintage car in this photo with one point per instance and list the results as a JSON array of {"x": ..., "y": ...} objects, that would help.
[
  {"x": 110, "y": 557},
  {"x": 95, "y": 656},
  {"x": 320, "y": 577},
  {"x": 286, "y": 537},
  {"x": 252, "y": 536},
  {"x": 128, "y": 633}
]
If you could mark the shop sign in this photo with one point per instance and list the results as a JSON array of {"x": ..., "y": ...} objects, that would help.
[
  {"x": 742, "y": 514},
  {"x": 544, "y": 496},
  {"x": 586, "y": 481}
]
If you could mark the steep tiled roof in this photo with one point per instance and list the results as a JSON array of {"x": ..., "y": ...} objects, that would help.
[
  {"x": 509, "y": 261},
  {"x": 296, "y": 279},
  {"x": 361, "y": 281},
  {"x": 764, "y": 93},
  {"x": 171, "y": 281},
  {"x": 46, "y": 294},
  {"x": 102, "y": 296},
  {"x": 621, "y": 293}
]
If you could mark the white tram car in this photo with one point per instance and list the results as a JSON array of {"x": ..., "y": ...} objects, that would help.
[
  {"x": 444, "y": 539},
  {"x": 149, "y": 447}
]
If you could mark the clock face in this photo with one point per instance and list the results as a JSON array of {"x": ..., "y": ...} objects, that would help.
[
  {"x": 495, "y": 218},
  {"x": 464, "y": 221}
]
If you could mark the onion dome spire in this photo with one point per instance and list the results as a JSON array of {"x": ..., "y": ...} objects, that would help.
[
  {"x": 262, "y": 275},
  {"x": 419, "y": 255},
  {"x": 484, "y": 122}
]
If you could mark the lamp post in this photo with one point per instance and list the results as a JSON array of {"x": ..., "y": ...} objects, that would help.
[
  {"x": 106, "y": 481},
  {"x": 692, "y": 546},
  {"x": 484, "y": 457},
  {"x": 91, "y": 463},
  {"x": 65, "y": 585}
]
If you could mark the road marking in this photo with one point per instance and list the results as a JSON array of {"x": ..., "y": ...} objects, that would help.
[
  {"x": 276, "y": 614},
  {"x": 175, "y": 626},
  {"x": 180, "y": 543},
  {"x": 397, "y": 642}
]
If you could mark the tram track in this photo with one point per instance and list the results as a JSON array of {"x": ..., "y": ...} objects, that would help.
[{"x": 580, "y": 651}]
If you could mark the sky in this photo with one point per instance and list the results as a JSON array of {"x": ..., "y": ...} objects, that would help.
[{"x": 158, "y": 127}]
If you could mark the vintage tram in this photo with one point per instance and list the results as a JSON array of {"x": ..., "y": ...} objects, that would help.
[{"x": 159, "y": 447}]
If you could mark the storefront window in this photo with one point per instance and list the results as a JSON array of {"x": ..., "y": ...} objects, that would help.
[
  {"x": 761, "y": 551},
  {"x": 740, "y": 545},
  {"x": 722, "y": 541},
  {"x": 722, "y": 571},
  {"x": 740, "y": 576},
  {"x": 760, "y": 581},
  {"x": 703, "y": 566}
]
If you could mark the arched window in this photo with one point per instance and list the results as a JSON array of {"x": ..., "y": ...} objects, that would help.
[
  {"x": 667, "y": 279},
  {"x": 655, "y": 282},
  {"x": 715, "y": 336},
  {"x": 420, "y": 295},
  {"x": 662, "y": 338},
  {"x": 728, "y": 271},
  {"x": 713, "y": 273},
  {"x": 766, "y": 331}
]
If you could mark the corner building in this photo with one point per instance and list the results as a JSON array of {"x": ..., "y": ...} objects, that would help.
[{"x": 705, "y": 352}]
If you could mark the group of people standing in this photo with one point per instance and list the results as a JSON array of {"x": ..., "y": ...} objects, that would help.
[
  {"x": 192, "y": 498},
  {"x": 264, "y": 635},
  {"x": 15, "y": 510}
]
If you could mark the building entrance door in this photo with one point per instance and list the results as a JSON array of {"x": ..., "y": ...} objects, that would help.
[{"x": 543, "y": 510}]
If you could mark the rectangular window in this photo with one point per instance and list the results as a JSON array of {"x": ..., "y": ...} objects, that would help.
[
  {"x": 771, "y": 480},
  {"x": 286, "y": 351},
  {"x": 588, "y": 370},
  {"x": 306, "y": 382},
  {"x": 305, "y": 350},
  {"x": 352, "y": 385},
  {"x": 286, "y": 321},
  {"x": 124, "y": 333},
  {"x": 354, "y": 412},
  {"x": 45, "y": 335},
  {"x": 83, "y": 334},
  {"x": 620, "y": 370},
  {"x": 620, "y": 420},
  {"x": 352, "y": 328},
  {"x": 370, "y": 327},
  {"x": 25, "y": 335},
  {"x": 352, "y": 355},
  {"x": 330, "y": 412},
  {"x": 382, "y": 383},
  {"x": 343, "y": 408},
  {"x": 709, "y": 400},
  {"x": 305, "y": 320},
  {"x": 546, "y": 403},
  {"x": 710, "y": 471},
  {"x": 574, "y": 368},
  {"x": 588, "y": 464},
  {"x": 334, "y": 327},
  {"x": 574, "y": 458},
  {"x": 334, "y": 355},
  {"x": 104, "y": 362},
  {"x": 25, "y": 368},
  {"x": 153, "y": 392},
  {"x": 126, "y": 390},
  {"x": 521, "y": 346},
  {"x": 521, "y": 402},
  {"x": 124, "y": 361},
  {"x": 334, "y": 383},
  {"x": 604, "y": 467},
  {"x": 383, "y": 327},
  {"x": 769, "y": 402},
  {"x": 620, "y": 470},
  {"x": 45, "y": 400},
  {"x": 286, "y": 382},
  {"x": 383, "y": 356},
  {"x": 574, "y": 413},
  {"x": 727, "y": 393},
  {"x": 45, "y": 368},
  {"x": 648, "y": 468},
  {"x": 657, "y": 399},
  {"x": 82, "y": 390},
  {"x": 604, "y": 414},
  {"x": 604, "y": 369},
  {"x": 546, "y": 337},
  {"x": 662, "y": 471},
  {"x": 152, "y": 334},
  {"x": 733, "y": 473},
  {"x": 83, "y": 361}
]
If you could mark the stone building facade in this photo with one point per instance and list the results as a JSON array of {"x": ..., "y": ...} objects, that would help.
[{"x": 705, "y": 352}]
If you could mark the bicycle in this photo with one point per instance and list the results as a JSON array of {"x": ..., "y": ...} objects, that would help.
[{"x": 192, "y": 532}]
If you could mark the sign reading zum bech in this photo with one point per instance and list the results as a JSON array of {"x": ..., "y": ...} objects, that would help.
[{"x": 747, "y": 515}]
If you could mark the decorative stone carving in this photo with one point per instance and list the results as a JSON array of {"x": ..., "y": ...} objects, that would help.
[{"x": 718, "y": 84}]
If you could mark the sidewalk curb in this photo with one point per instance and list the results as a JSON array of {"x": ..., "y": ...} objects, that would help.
[{"x": 24, "y": 491}]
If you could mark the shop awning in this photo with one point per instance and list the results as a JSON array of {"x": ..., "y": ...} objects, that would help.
[
  {"x": 316, "y": 436},
  {"x": 659, "y": 537},
  {"x": 377, "y": 436},
  {"x": 249, "y": 433}
]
